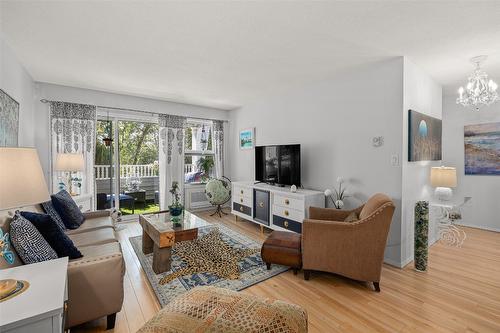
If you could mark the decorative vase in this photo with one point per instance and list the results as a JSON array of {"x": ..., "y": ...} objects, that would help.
[
  {"x": 293, "y": 188},
  {"x": 175, "y": 211},
  {"x": 339, "y": 204},
  {"x": 421, "y": 235}
]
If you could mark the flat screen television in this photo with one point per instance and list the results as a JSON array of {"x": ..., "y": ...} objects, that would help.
[{"x": 278, "y": 164}]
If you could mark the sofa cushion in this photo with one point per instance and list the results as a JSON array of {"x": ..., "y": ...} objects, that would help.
[
  {"x": 67, "y": 209},
  {"x": 53, "y": 234},
  {"x": 92, "y": 224},
  {"x": 49, "y": 209},
  {"x": 96, "y": 252},
  {"x": 28, "y": 242},
  {"x": 94, "y": 237}
]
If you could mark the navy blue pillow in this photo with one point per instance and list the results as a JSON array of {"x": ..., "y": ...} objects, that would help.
[
  {"x": 67, "y": 209},
  {"x": 50, "y": 210},
  {"x": 53, "y": 234}
]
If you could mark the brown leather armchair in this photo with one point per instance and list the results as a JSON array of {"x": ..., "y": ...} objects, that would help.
[{"x": 352, "y": 249}]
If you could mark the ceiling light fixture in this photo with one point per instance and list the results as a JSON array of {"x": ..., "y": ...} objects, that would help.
[{"x": 479, "y": 90}]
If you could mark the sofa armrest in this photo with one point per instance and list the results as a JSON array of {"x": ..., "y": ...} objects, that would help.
[
  {"x": 95, "y": 287},
  {"x": 97, "y": 213}
]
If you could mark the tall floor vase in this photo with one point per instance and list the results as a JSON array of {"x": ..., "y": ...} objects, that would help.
[{"x": 421, "y": 235}]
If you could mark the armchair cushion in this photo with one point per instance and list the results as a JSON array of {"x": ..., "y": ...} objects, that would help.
[{"x": 353, "y": 217}]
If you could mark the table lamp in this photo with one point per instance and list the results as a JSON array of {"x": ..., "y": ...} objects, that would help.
[
  {"x": 443, "y": 179},
  {"x": 22, "y": 183},
  {"x": 70, "y": 162}
]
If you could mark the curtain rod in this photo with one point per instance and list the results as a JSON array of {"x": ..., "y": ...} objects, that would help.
[{"x": 142, "y": 111}]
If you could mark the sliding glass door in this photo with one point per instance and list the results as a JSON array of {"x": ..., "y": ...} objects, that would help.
[{"x": 126, "y": 165}]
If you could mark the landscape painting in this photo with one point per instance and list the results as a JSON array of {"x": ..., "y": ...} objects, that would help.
[
  {"x": 424, "y": 137},
  {"x": 247, "y": 138},
  {"x": 482, "y": 149},
  {"x": 9, "y": 120}
]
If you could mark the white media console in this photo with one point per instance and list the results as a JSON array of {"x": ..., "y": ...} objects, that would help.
[{"x": 274, "y": 207}]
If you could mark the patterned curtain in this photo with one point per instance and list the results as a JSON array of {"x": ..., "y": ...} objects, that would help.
[
  {"x": 171, "y": 156},
  {"x": 218, "y": 142},
  {"x": 73, "y": 131}
]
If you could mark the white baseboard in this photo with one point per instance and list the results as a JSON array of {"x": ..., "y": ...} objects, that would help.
[{"x": 482, "y": 227}]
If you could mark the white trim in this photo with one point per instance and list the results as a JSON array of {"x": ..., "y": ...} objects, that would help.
[{"x": 482, "y": 227}]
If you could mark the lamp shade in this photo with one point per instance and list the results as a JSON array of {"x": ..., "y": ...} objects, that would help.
[
  {"x": 70, "y": 162},
  {"x": 21, "y": 178},
  {"x": 443, "y": 177}
]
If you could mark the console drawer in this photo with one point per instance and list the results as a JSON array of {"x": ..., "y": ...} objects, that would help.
[
  {"x": 288, "y": 213},
  {"x": 242, "y": 191},
  {"x": 285, "y": 201},
  {"x": 245, "y": 201},
  {"x": 287, "y": 224},
  {"x": 242, "y": 209}
]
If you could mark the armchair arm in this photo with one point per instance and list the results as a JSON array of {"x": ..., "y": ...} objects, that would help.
[{"x": 331, "y": 214}]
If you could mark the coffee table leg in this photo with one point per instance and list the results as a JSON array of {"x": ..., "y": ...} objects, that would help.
[
  {"x": 161, "y": 259},
  {"x": 147, "y": 243}
]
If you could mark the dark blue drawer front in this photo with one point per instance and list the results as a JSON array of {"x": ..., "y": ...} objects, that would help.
[
  {"x": 242, "y": 209},
  {"x": 287, "y": 224},
  {"x": 261, "y": 206}
]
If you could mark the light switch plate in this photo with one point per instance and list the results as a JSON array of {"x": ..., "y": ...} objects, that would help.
[{"x": 395, "y": 160}]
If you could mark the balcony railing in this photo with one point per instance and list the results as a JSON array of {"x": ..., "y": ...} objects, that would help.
[{"x": 140, "y": 170}]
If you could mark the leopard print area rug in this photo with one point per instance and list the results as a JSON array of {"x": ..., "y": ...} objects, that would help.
[
  {"x": 210, "y": 263},
  {"x": 209, "y": 254}
]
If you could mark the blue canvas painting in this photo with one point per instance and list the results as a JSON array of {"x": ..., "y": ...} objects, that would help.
[
  {"x": 424, "y": 137},
  {"x": 482, "y": 149}
]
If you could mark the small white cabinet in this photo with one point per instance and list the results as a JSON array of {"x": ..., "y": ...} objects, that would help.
[
  {"x": 286, "y": 210},
  {"x": 41, "y": 308},
  {"x": 84, "y": 202}
]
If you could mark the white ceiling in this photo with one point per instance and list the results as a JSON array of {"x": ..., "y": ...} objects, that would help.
[{"x": 223, "y": 54}]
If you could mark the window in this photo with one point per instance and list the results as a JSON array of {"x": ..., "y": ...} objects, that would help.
[{"x": 198, "y": 163}]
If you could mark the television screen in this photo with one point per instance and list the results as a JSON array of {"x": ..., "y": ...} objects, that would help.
[{"x": 278, "y": 165}]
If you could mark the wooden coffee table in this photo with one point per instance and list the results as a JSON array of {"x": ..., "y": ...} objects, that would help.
[{"x": 159, "y": 235}]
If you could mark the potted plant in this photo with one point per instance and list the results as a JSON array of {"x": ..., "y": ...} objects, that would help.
[
  {"x": 205, "y": 164},
  {"x": 339, "y": 195},
  {"x": 176, "y": 207}
]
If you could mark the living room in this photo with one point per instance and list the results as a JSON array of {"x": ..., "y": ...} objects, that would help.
[{"x": 275, "y": 166}]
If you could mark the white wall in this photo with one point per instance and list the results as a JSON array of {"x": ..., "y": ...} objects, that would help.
[
  {"x": 422, "y": 94},
  {"x": 16, "y": 82},
  {"x": 334, "y": 121},
  {"x": 94, "y": 97},
  {"x": 483, "y": 211}
]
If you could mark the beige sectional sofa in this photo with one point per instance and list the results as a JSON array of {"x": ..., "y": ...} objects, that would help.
[{"x": 95, "y": 281}]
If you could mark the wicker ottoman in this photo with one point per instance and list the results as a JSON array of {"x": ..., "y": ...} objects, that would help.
[
  {"x": 211, "y": 309},
  {"x": 283, "y": 248}
]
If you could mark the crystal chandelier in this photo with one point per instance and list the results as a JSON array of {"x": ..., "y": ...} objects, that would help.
[{"x": 479, "y": 90}]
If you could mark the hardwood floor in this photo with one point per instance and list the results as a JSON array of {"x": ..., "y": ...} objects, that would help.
[{"x": 460, "y": 292}]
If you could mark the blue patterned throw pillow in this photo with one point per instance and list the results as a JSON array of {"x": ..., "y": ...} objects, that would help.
[
  {"x": 49, "y": 209},
  {"x": 67, "y": 209},
  {"x": 28, "y": 242},
  {"x": 56, "y": 238}
]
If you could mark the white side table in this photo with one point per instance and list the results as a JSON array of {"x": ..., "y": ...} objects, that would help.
[
  {"x": 449, "y": 232},
  {"x": 41, "y": 308},
  {"x": 84, "y": 202}
]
